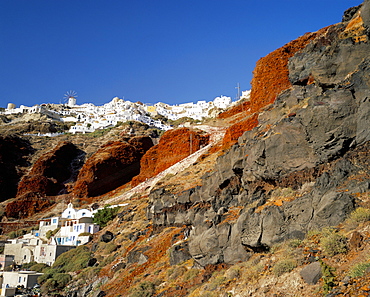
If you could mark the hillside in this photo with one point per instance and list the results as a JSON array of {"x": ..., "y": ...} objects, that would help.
[{"x": 271, "y": 198}]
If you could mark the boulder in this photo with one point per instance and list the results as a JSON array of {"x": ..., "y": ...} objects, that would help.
[
  {"x": 179, "y": 253},
  {"x": 311, "y": 273},
  {"x": 107, "y": 237}
]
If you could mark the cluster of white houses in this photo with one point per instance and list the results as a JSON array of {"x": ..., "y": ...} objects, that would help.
[
  {"x": 89, "y": 117},
  {"x": 72, "y": 228}
]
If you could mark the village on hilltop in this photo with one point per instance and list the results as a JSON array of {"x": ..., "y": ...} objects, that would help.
[{"x": 88, "y": 117}]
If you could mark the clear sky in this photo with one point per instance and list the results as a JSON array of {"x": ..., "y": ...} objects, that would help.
[{"x": 172, "y": 51}]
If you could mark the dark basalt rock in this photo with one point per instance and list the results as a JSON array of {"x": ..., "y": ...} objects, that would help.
[
  {"x": 13, "y": 155},
  {"x": 315, "y": 152},
  {"x": 179, "y": 253},
  {"x": 107, "y": 237}
]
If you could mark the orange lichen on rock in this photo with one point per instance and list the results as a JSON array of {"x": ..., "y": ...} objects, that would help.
[
  {"x": 156, "y": 252},
  {"x": 271, "y": 75},
  {"x": 173, "y": 146},
  {"x": 355, "y": 30},
  {"x": 235, "y": 131}
]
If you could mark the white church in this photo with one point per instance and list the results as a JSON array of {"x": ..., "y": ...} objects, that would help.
[{"x": 72, "y": 224}]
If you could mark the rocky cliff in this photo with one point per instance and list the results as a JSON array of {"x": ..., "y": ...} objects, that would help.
[
  {"x": 47, "y": 177},
  {"x": 13, "y": 157},
  {"x": 251, "y": 219},
  {"x": 301, "y": 166},
  {"x": 173, "y": 146},
  {"x": 113, "y": 165}
]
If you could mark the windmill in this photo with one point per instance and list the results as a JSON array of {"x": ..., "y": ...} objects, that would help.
[{"x": 70, "y": 96}]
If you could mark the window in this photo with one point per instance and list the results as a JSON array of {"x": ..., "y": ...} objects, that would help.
[{"x": 55, "y": 221}]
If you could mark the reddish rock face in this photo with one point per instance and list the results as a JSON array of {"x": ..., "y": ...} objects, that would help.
[
  {"x": 235, "y": 131},
  {"x": 50, "y": 171},
  {"x": 271, "y": 74},
  {"x": 45, "y": 179},
  {"x": 113, "y": 165},
  {"x": 27, "y": 205},
  {"x": 173, "y": 146},
  {"x": 13, "y": 153},
  {"x": 270, "y": 78}
]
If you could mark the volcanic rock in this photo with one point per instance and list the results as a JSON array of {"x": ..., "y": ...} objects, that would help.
[
  {"x": 311, "y": 273},
  {"x": 173, "y": 146},
  {"x": 13, "y": 155},
  {"x": 46, "y": 178},
  {"x": 50, "y": 171},
  {"x": 311, "y": 140},
  {"x": 113, "y": 165}
]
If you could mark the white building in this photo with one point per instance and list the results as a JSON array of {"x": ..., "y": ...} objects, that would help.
[
  {"x": 12, "y": 279},
  {"x": 222, "y": 102},
  {"x": 31, "y": 248},
  {"x": 71, "y": 230},
  {"x": 74, "y": 223}
]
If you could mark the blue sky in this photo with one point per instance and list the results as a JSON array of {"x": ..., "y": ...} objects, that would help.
[{"x": 145, "y": 50}]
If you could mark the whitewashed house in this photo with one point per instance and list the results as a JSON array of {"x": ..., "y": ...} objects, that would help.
[
  {"x": 12, "y": 279},
  {"x": 222, "y": 101},
  {"x": 75, "y": 222},
  {"x": 73, "y": 227}
]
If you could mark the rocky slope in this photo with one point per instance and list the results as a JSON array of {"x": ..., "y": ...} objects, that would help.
[
  {"x": 113, "y": 165},
  {"x": 255, "y": 225},
  {"x": 294, "y": 160},
  {"x": 173, "y": 146},
  {"x": 303, "y": 141}
]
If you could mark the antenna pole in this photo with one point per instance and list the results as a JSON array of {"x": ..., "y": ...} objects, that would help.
[{"x": 238, "y": 93}]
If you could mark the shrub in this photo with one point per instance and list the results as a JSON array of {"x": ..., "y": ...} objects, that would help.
[
  {"x": 39, "y": 267},
  {"x": 73, "y": 260},
  {"x": 284, "y": 266},
  {"x": 359, "y": 269},
  {"x": 59, "y": 281},
  {"x": 109, "y": 248},
  {"x": 294, "y": 243},
  {"x": 107, "y": 260},
  {"x": 334, "y": 244},
  {"x": 103, "y": 216},
  {"x": 88, "y": 273},
  {"x": 190, "y": 274},
  {"x": 51, "y": 233},
  {"x": 216, "y": 282},
  {"x": 144, "y": 289},
  {"x": 176, "y": 272},
  {"x": 15, "y": 234},
  {"x": 85, "y": 234},
  {"x": 27, "y": 266},
  {"x": 359, "y": 215},
  {"x": 328, "y": 277}
]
